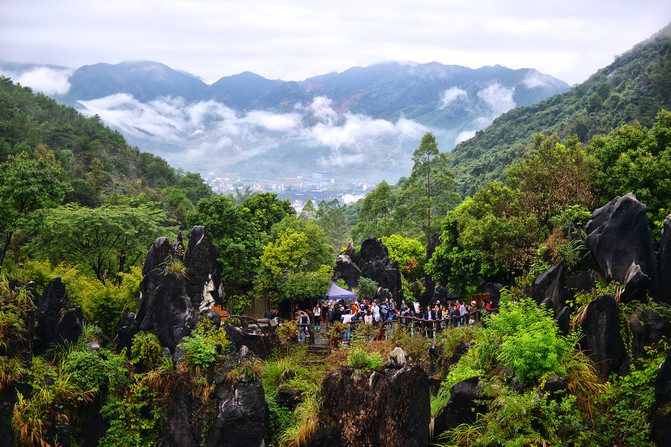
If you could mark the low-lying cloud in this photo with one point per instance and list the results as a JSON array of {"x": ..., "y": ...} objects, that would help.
[
  {"x": 450, "y": 95},
  {"x": 50, "y": 81},
  {"x": 217, "y": 134}
]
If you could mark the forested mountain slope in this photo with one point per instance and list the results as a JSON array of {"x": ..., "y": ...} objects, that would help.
[
  {"x": 97, "y": 161},
  {"x": 636, "y": 86}
]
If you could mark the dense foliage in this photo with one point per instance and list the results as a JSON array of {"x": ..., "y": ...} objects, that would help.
[{"x": 635, "y": 87}]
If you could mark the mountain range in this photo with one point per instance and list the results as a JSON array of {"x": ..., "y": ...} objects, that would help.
[{"x": 358, "y": 126}]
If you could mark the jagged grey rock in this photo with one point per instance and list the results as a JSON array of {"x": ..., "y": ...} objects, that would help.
[{"x": 620, "y": 240}]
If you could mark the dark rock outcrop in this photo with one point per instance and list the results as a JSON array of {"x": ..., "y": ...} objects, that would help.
[
  {"x": 602, "y": 340},
  {"x": 158, "y": 253},
  {"x": 647, "y": 328},
  {"x": 619, "y": 238},
  {"x": 387, "y": 275},
  {"x": 165, "y": 309},
  {"x": 170, "y": 300},
  {"x": 372, "y": 249},
  {"x": 57, "y": 320},
  {"x": 557, "y": 286},
  {"x": 203, "y": 274},
  {"x": 261, "y": 346},
  {"x": 175, "y": 427},
  {"x": 665, "y": 262},
  {"x": 466, "y": 401},
  {"x": 551, "y": 285},
  {"x": 242, "y": 418},
  {"x": 375, "y": 408},
  {"x": 661, "y": 423},
  {"x": 346, "y": 270},
  {"x": 563, "y": 320}
]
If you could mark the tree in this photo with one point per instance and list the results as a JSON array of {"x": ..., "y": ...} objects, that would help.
[
  {"x": 108, "y": 240},
  {"x": 634, "y": 159},
  {"x": 429, "y": 192},
  {"x": 296, "y": 245},
  {"x": 461, "y": 269},
  {"x": 410, "y": 254},
  {"x": 266, "y": 210},
  {"x": 308, "y": 211},
  {"x": 26, "y": 185},
  {"x": 234, "y": 235},
  {"x": 329, "y": 216},
  {"x": 240, "y": 197},
  {"x": 374, "y": 216},
  {"x": 552, "y": 177},
  {"x": 300, "y": 286},
  {"x": 296, "y": 260}
]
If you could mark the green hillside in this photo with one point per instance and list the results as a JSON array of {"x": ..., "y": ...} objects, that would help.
[
  {"x": 97, "y": 162},
  {"x": 634, "y": 87}
]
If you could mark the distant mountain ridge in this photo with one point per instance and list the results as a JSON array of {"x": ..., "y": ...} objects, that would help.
[
  {"x": 635, "y": 87},
  {"x": 358, "y": 126}
]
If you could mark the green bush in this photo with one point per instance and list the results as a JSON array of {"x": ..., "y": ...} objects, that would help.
[
  {"x": 88, "y": 369},
  {"x": 366, "y": 289},
  {"x": 360, "y": 359},
  {"x": 531, "y": 344},
  {"x": 146, "y": 350},
  {"x": 201, "y": 345}
]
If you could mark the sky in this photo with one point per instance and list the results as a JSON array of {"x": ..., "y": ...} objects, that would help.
[{"x": 296, "y": 39}]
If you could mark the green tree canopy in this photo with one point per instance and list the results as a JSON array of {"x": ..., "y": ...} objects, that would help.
[
  {"x": 26, "y": 185},
  {"x": 410, "y": 254},
  {"x": 296, "y": 245},
  {"x": 266, "y": 210},
  {"x": 552, "y": 177},
  {"x": 428, "y": 193},
  {"x": 234, "y": 235},
  {"x": 463, "y": 270},
  {"x": 108, "y": 240},
  {"x": 634, "y": 159}
]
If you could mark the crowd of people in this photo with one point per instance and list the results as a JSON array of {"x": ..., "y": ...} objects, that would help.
[{"x": 430, "y": 319}]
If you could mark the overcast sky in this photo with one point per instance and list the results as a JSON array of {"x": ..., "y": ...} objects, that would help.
[{"x": 296, "y": 39}]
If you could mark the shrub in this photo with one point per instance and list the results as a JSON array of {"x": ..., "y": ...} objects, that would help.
[
  {"x": 360, "y": 359},
  {"x": 146, "y": 351},
  {"x": 367, "y": 288},
  {"x": 531, "y": 343},
  {"x": 201, "y": 345}
]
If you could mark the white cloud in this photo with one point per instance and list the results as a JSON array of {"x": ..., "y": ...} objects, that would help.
[
  {"x": 217, "y": 135},
  {"x": 451, "y": 94},
  {"x": 49, "y": 81},
  {"x": 499, "y": 98},
  {"x": 285, "y": 122},
  {"x": 535, "y": 78},
  {"x": 465, "y": 135}
]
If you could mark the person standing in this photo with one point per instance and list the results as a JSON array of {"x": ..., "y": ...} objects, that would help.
[
  {"x": 330, "y": 315},
  {"x": 317, "y": 314}
]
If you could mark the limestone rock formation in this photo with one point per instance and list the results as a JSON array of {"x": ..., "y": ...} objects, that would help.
[
  {"x": 346, "y": 270},
  {"x": 376, "y": 408},
  {"x": 665, "y": 262},
  {"x": 647, "y": 328},
  {"x": 170, "y": 299},
  {"x": 466, "y": 401},
  {"x": 165, "y": 309},
  {"x": 620, "y": 240},
  {"x": 372, "y": 262},
  {"x": 661, "y": 424},
  {"x": 57, "y": 320},
  {"x": 372, "y": 249},
  {"x": 203, "y": 274},
  {"x": 243, "y": 418},
  {"x": 602, "y": 340}
]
